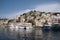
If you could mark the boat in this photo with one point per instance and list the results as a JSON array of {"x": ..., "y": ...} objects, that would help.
[
  {"x": 47, "y": 26},
  {"x": 12, "y": 26},
  {"x": 24, "y": 27},
  {"x": 56, "y": 23}
]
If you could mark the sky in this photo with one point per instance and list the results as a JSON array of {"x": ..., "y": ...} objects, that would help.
[{"x": 11, "y": 8}]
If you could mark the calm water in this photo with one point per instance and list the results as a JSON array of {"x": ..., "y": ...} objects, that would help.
[{"x": 30, "y": 34}]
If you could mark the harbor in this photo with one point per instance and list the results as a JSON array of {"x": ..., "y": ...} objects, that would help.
[
  {"x": 33, "y": 25},
  {"x": 28, "y": 34},
  {"x": 29, "y": 19},
  {"x": 33, "y": 19}
]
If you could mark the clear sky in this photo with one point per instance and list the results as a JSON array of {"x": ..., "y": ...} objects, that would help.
[{"x": 10, "y": 8}]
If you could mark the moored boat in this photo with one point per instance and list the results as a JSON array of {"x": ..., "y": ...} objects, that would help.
[
  {"x": 13, "y": 26},
  {"x": 56, "y": 23},
  {"x": 24, "y": 27},
  {"x": 47, "y": 26}
]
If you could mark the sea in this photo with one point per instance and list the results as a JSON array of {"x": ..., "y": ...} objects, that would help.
[{"x": 28, "y": 34}]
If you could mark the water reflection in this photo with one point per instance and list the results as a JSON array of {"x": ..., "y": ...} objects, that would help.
[{"x": 30, "y": 34}]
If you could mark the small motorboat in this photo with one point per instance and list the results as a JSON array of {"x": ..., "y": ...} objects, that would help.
[
  {"x": 24, "y": 27},
  {"x": 12, "y": 26},
  {"x": 47, "y": 26}
]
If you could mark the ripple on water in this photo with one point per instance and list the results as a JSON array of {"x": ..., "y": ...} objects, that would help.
[{"x": 30, "y": 34}]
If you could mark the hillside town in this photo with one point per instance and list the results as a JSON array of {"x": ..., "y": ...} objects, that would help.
[{"x": 33, "y": 18}]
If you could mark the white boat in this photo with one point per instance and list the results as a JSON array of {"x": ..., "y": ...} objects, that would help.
[
  {"x": 24, "y": 27},
  {"x": 12, "y": 26},
  {"x": 47, "y": 25}
]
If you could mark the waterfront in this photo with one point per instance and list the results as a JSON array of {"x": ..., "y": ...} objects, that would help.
[{"x": 30, "y": 34}]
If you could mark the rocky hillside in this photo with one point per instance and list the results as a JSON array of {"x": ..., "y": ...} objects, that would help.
[
  {"x": 29, "y": 17},
  {"x": 34, "y": 17}
]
